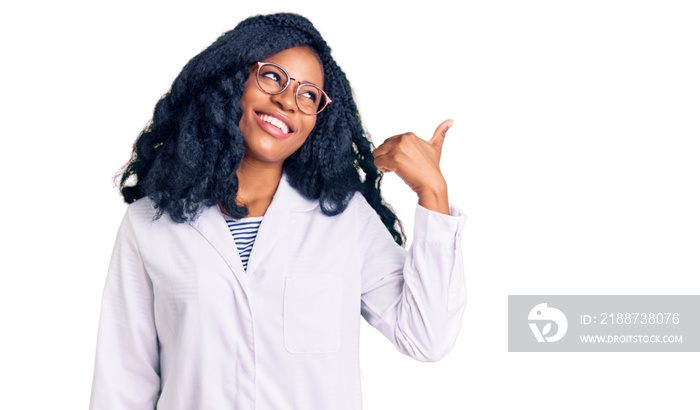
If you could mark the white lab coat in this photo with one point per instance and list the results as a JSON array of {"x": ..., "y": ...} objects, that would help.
[{"x": 180, "y": 314}]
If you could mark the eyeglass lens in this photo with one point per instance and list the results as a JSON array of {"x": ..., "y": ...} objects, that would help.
[{"x": 273, "y": 80}]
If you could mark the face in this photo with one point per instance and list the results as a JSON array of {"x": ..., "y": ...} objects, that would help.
[{"x": 273, "y": 127}]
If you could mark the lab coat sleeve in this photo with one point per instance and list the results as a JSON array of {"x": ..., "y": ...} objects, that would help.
[
  {"x": 415, "y": 298},
  {"x": 127, "y": 366}
]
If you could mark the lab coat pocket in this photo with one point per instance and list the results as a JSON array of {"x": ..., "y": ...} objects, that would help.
[{"x": 312, "y": 311}]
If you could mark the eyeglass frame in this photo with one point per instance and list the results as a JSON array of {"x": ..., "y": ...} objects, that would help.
[{"x": 260, "y": 64}]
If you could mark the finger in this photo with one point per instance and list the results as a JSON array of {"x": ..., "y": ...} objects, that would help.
[
  {"x": 379, "y": 151},
  {"x": 439, "y": 136},
  {"x": 385, "y": 147},
  {"x": 383, "y": 163}
]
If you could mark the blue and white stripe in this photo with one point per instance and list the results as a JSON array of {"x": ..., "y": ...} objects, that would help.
[{"x": 244, "y": 232}]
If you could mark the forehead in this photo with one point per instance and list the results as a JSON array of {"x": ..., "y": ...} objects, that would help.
[{"x": 301, "y": 63}]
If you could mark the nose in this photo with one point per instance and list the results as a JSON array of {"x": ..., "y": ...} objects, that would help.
[{"x": 286, "y": 100}]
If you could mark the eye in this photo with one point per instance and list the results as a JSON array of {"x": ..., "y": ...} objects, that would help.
[
  {"x": 271, "y": 75},
  {"x": 310, "y": 93}
]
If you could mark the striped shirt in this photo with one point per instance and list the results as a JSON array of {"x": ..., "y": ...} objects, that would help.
[{"x": 244, "y": 232}]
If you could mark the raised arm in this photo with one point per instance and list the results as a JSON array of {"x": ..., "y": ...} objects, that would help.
[{"x": 415, "y": 298}]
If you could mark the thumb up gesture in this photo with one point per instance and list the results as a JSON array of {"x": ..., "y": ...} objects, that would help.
[{"x": 417, "y": 163}]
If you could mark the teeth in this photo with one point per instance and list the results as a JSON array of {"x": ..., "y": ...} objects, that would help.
[{"x": 274, "y": 121}]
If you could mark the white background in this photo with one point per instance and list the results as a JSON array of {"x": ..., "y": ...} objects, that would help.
[{"x": 575, "y": 154}]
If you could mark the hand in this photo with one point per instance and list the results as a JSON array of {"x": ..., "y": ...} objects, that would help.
[{"x": 417, "y": 163}]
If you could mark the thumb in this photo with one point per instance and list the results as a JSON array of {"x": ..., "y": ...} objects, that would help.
[{"x": 439, "y": 136}]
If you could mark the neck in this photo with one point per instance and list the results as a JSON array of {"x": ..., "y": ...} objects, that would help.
[{"x": 257, "y": 184}]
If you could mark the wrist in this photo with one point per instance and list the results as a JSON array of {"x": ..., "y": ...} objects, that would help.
[{"x": 434, "y": 198}]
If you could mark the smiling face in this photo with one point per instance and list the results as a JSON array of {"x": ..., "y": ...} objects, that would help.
[{"x": 273, "y": 126}]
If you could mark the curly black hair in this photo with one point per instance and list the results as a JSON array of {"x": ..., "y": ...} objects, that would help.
[{"x": 187, "y": 156}]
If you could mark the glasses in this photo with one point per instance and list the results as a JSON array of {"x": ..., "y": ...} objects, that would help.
[{"x": 274, "y": 79}]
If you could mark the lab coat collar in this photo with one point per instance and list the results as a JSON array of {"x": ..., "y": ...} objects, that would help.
[
  {"x": 289, "y": 199},
  {"x": 277, "y": 220}
]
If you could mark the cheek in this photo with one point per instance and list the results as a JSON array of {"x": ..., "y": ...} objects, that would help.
[
  {"x": 246, "y": 97},
  {"x": 245, "y": 121},
  {"x": 244, "y": 124},
  {"x": 309, "y": 124}
]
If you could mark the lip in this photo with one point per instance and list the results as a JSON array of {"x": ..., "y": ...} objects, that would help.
[{"x": 271, "y": 129}]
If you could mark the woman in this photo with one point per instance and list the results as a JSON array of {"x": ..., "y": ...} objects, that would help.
[{"x": 261, "y": 129}]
